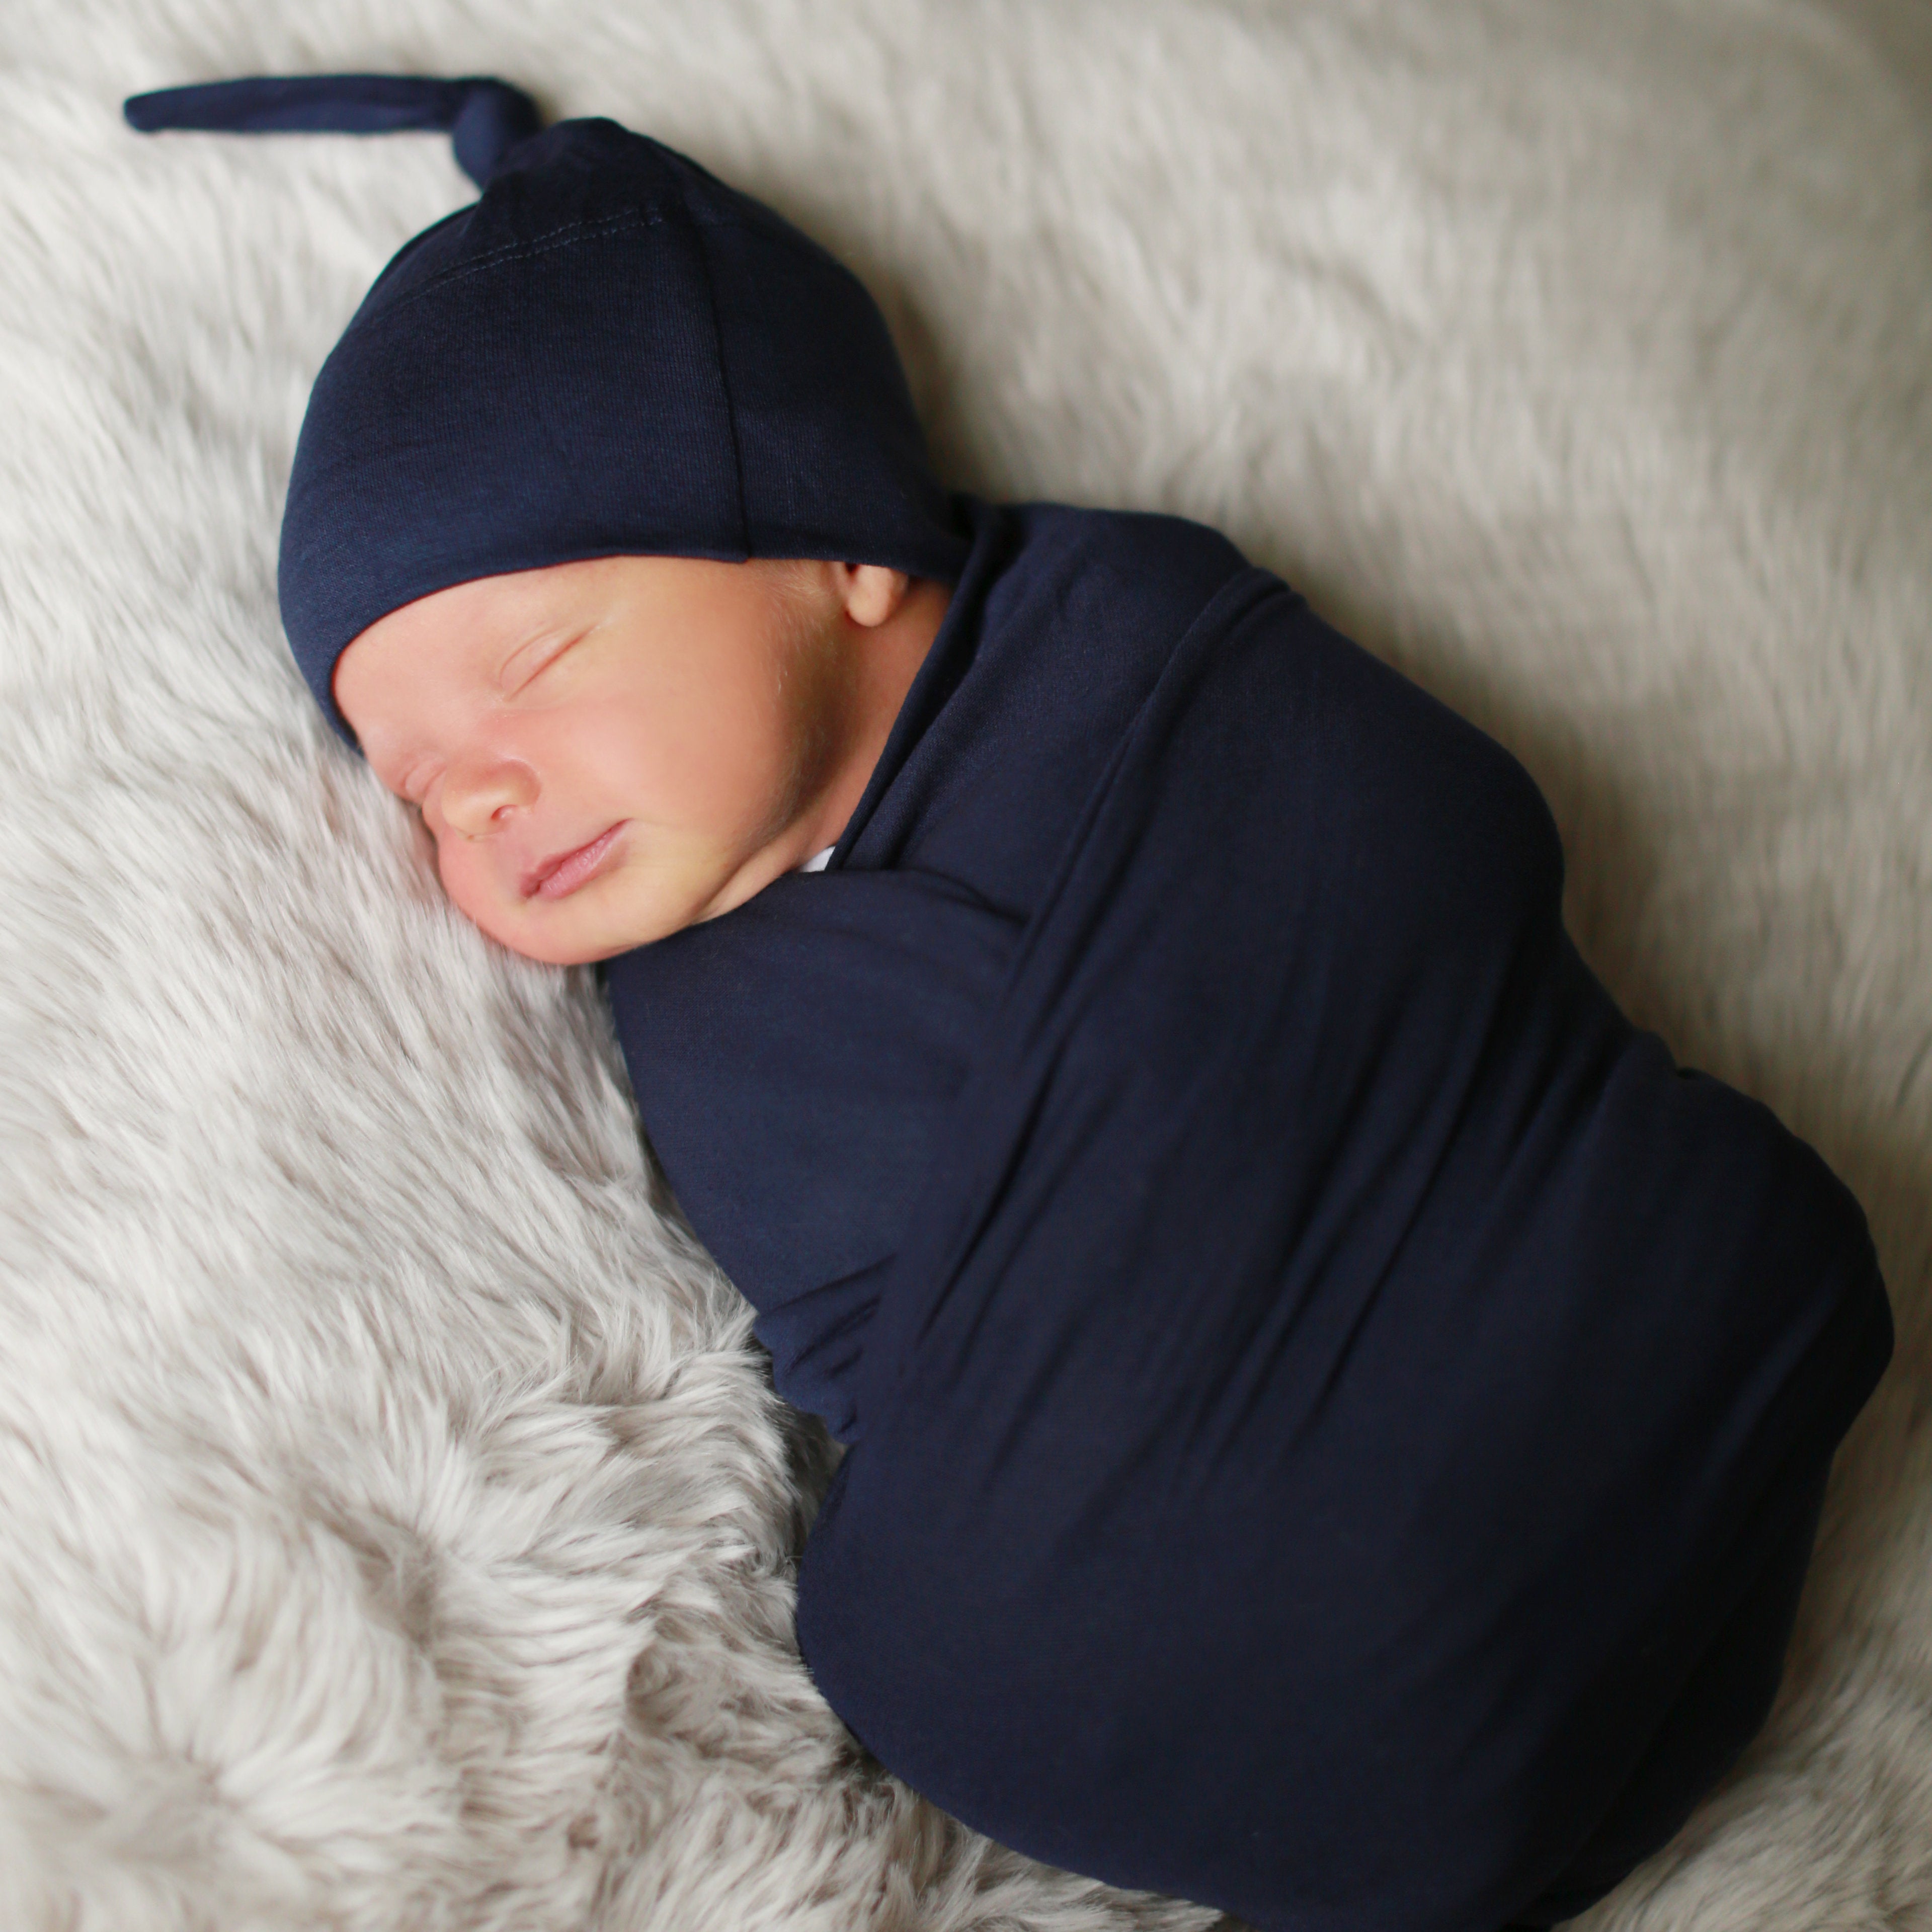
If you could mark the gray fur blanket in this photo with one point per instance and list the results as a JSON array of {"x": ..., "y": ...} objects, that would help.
[{"x": 396, "y": 1527}]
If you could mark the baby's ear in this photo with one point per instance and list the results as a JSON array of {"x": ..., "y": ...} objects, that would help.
[{"x": 871, "y": 592}]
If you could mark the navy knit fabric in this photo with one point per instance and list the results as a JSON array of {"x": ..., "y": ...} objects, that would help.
[
  {"x": 1339, "y": 1415},
  {"x": 610, "y": 353},
  {"x": 484, "y": 119}
]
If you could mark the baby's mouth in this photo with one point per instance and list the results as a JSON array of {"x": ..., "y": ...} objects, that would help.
[{"x": 554, "y": 878}]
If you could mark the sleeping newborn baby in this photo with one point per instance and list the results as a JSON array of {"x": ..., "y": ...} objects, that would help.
[{"x": 1338, "y": 1419}]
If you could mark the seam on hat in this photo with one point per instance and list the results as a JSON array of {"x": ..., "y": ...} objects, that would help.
[
  {"x": 724, "y": 371},
  {"x": 565, "y": 237}
]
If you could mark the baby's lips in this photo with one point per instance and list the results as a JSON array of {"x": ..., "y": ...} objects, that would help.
[{"x": 557, "y": 877}]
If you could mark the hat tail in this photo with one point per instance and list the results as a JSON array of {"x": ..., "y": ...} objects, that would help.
[{"x": 484, "y": 118}]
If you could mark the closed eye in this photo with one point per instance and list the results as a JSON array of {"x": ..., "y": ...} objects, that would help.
[{"x": 529, "y": 661}]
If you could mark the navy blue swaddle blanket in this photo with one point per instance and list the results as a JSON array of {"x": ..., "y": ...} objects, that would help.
[
  {"x": 1325, "y": 1386},
  {"x": 1338, "y": 1418}
]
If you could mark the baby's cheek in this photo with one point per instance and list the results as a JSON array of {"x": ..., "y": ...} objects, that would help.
[{"x": 471, "y": 889}]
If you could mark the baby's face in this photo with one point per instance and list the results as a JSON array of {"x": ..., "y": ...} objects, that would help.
[{"x": 607, "y": 750}]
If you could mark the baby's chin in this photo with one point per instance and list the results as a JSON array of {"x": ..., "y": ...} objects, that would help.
[
  {"x": 549, "y": 949},
  {"x": 575, "y": 936}
]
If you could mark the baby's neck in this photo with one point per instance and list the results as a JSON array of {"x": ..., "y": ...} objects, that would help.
[{"x": 884, "y": 661}]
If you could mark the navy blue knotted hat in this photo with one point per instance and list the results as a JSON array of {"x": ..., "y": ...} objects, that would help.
[{"x": 610, "y": 353}]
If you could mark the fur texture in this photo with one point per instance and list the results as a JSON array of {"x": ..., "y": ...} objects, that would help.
[{"x": 397, "y": 1526}]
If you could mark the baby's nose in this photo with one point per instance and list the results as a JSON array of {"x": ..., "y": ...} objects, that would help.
[{"x": 479, "y": 793}]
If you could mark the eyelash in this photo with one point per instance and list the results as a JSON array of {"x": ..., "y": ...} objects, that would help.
[{"x": 530, "y": 677}]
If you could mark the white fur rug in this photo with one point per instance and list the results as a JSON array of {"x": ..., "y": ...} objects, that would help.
[{"x": 396, "y": 1527}]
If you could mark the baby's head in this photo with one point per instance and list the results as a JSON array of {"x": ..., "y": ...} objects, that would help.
[{"x": 611, "y": 543}]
